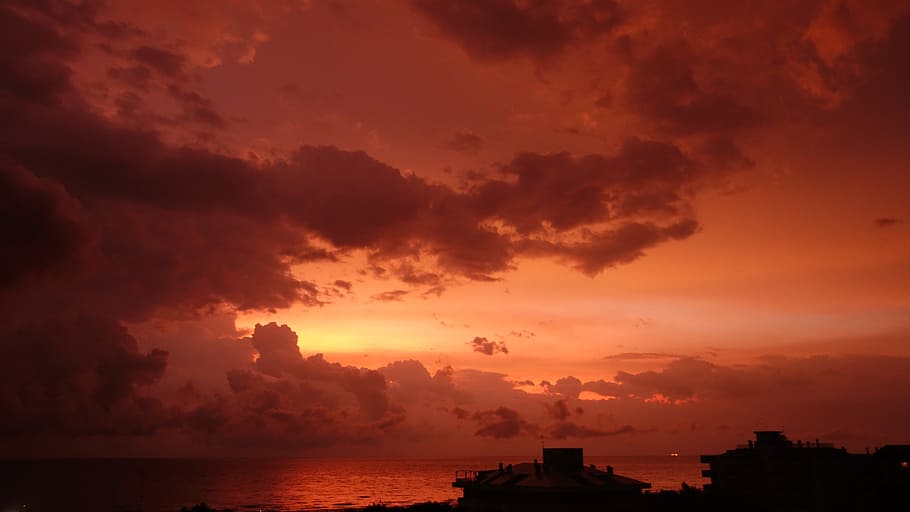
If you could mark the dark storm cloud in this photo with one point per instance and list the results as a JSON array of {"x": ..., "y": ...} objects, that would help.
[
  {"x": 43, "y": 230},
  {"x": 363, "y": 203},
  {"x": 565, "y": 191},
  {"x": 502, "y": 423},
  {"x": 31, "y": 57},
  {"x": 145, "y": 260},
  {"x": 507, "y": 28},
  {"x": 77, "y": 376},
  {"x": 662, "y": 86}
]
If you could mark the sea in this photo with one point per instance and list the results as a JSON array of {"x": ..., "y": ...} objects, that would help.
[{"x": 280, "y": 484}]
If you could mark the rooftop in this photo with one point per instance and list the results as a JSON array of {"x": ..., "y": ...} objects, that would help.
[{"x": 562, "y": 469}]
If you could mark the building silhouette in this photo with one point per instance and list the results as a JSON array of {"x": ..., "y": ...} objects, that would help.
[
  {"x": 773, "y": 473},
  {"x": 560, "y": 482}
]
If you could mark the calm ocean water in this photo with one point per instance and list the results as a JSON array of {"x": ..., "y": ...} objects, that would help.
[{"x": 153, "y": 485}]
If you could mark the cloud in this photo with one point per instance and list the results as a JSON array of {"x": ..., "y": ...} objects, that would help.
[
  {"x": 507, "y": 28},
  {"x": 502, "y": 423},
  {"x": 411, "y": 383},
  {"x": 887, "y": 222},
  {"x": 629, "y": 356},
  {"x": 569, "y": 387},
  {"x": 34, "y": 69},
  {"x": 277, "y": 347},
  {"x": 196, "y": 109},
  {"x": 622, "y": 245},
  {"x": 284, "y": 400},
  {"x": 612, "y": 207},
  {"x": 563, "y": 191},
  {"x": 408, "y": 273},
  {"x": 279, "y": 357},
  {"x": 568, "y": 429},
  {"x": 48, "y": 234},
  {"x": 693, "y": 379},
  {"x": 137, "y": 78},
  {"x": 558, "y": 410},
  {"x": 163, "y": 61},
  {"x": 390, "y": 296},
  {"x": 663, "y": 87},
  {"x": 460, "y": 413},
  {"x": 465, "y": 141},
  {"x": 78, "y": 376},
  {"x": 485, "y": 346}
]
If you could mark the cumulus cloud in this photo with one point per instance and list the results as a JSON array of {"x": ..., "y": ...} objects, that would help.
[
  {"x": 487, "y": 347},
  {"x": 569, "y": 387},
  {"x": 283, "y": 400}
]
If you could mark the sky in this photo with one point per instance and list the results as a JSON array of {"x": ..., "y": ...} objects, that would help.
[{"x": 436, "y": 228}]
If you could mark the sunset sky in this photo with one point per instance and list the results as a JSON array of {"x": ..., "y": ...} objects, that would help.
[{"x": 443, "y": 227}]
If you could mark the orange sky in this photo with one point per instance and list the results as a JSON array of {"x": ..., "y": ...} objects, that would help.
[{"x": 692, "y": 215}]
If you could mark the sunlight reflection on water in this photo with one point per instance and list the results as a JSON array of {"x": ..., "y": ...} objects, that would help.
[{"x": 275, "y": 484}]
